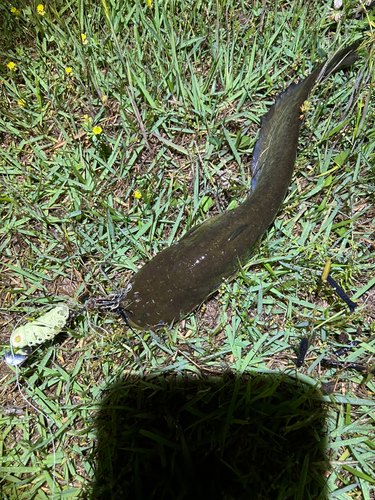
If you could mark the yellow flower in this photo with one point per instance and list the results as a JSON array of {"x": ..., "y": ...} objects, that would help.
[
  {"x": 104, "y": 99},
  {"x": 12, "y": 66},
  {"x": 149, "y": 4},
  {"x": 40, "y": 9},
  {"x": 97, "y": 130},
  {"x": 21, "y": 103},
  {"x": 14, "y": 11},
  {"x": 137, "y": 194},
  {"x": 84, "y": 39},
  {"x": 86, "y": 119},
  {"x": 68, "y": 70}
]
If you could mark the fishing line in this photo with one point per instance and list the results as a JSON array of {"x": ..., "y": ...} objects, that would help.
[
  {"x": 15, "y": 360},
  {"x": 112, "y": 304},
  {"x": 49, "y": 426}
]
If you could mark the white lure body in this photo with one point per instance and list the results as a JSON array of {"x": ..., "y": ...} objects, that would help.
[{"x": 36, "y": 332}]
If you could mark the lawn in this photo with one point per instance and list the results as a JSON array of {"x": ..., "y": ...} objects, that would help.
[{"x": 123, "y": 125}]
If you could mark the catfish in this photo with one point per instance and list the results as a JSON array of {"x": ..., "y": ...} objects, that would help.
[{"x": 181, "y": 277}]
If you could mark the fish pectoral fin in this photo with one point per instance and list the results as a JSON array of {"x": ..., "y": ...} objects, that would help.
[{"x": 237, "y": 232}]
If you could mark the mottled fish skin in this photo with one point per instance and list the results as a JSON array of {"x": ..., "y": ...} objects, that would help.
[{"x": 181, "y": 277}]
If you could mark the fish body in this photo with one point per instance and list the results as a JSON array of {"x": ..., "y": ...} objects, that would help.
[{"x": 181, "y": 277}]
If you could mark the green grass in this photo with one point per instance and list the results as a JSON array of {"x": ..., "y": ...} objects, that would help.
[{"x": 178, "y": 90}]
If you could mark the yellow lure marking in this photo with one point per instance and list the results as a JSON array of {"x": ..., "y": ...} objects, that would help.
[{"x": 326, "y": 270}]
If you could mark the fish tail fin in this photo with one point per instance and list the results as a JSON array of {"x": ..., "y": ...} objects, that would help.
[
  {"x": 344, "y": 57},
  {"x": 286, "y": 112}
]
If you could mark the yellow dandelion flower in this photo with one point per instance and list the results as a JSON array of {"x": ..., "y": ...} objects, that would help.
[
  {"x": 15, "y": 11},
  {"x": 68, "y": 70},
  {"x": 97, "y": 130},
  {"x": 21, "y": 103},
  {"x": 12, "y": 66},
  {"x": 137, "y": 194},
  {"x": 149, "y": 4},
  {"x": 84, "y": 39},
  {"x": 40, "y": 9}
]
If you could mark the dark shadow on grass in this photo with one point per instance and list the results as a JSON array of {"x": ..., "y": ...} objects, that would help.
[{"x": 168, "y": 437}]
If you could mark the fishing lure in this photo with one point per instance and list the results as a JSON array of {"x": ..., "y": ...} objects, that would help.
[
  {"x": 343, "y": 365},
  {"x": 303, "y": 346},
  {"x": 341, "y": 293},
  {"x": 347, "y": 366},
  {"x": 344, "y": 350},
  {"x": 34, "y": 333},
  {"x": 327, "y": 278},
  {"x": 181, "y": 277}
]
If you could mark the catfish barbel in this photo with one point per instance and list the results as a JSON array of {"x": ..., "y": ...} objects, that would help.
[{"x": 181, "y": 277}]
